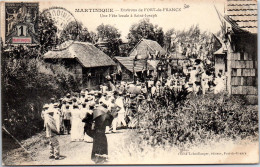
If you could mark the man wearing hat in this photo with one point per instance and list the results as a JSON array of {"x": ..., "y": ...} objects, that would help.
[
  {"x": 62, "y": 109},
  {"x": 45, "y": 107},
  {"x": 51, "y": 105},
  {"x": 74, "y": 101},
  {"x": 67, "y": 98},
  {"x": 51, "y": 133},
  {"x": 103, "y": 88},
  {"x": 45, "y": 110},
  {"x": 66, "y": 119},
  {"x": 114, "y": 109},
  {"x": 82, "y": 97},
  {"x": 70, "y": 102},
  {"x": 91, "y": 99},
  {"x": 102, "y": 99},
  {"x": 127, "y": 102},
  {"x": 121, "y": 114}
]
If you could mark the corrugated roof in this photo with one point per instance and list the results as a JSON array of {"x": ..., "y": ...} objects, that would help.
[
  {"x": 128, "y": 63},
  {"x": 86, "y": 53},
  {"x": 144, "y": 47},
  {"x": 244, "y": 13}
]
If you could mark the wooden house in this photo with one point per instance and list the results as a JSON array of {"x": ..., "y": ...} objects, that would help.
[
  {"x": 146, "y": 48},
  {"x": 141, "y": 61},
  {"x": 86, "y": 61},
  {"x": 130, "y": 67},
  {"x": 241, "y": 43}
]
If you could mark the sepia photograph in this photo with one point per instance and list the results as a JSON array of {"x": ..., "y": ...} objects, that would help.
[{"x": 129, "y": 82}]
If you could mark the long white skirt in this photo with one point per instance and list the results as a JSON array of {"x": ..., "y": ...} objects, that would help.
[{"x": 77, "y": 129}]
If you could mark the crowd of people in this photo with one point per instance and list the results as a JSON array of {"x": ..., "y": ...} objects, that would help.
[
  {"x": 197, "y": 75},
  {"x": 88, "y": 116},
  {"x": 194, "y": 77}
]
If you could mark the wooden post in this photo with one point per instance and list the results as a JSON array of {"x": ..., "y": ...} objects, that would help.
[
  {"x": 20, "y": 144},
  {"x": 134, "y": 70},
  {"x": 229, "y": 68}
]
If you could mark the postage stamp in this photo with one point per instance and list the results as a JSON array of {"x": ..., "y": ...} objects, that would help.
[{"x": 21, "y": 23}]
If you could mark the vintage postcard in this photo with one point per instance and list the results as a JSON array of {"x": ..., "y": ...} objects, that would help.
[{"x": 89, "y": 82}]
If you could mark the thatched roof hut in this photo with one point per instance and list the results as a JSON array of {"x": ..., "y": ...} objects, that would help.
[
  {"x": 85, "y": 53},
  {"x": 85, "y": 61}
]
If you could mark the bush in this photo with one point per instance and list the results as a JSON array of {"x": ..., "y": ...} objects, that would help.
[
  {"x": 197, "y": 119},
  {"x": 27, "y": 84}
]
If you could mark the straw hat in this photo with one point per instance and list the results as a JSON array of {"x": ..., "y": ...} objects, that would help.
[
  {"x": 45, "y": 106},
  {"x": 92, "y": 104},
  {"x": 56, "y": 105}
]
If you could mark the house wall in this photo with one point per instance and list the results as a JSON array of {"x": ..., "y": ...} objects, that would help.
[
  {"x": 126, "y": 75},
  {"x": 71, "y": 64},
  {"x": 244, "y": 68},
  {"x": 93, "y": 77},
  {"x": 92, "y": 81},
  {"x": 76, "y": 68}
]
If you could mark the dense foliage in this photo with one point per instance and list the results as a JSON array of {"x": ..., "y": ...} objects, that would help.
[
  {"x": 197, "y": 119},
  {"x": 145, "y": 29},
  {"x": 27, "y": 84},
  {"x": 111, "y": 36}
]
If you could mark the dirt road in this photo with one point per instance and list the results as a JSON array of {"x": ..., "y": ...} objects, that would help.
[
  {"x": 71, "y": 152},
  {"x": 124, "y": 149}
]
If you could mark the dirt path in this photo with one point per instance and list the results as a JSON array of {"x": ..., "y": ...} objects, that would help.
[
  {"x": 123, "y": 150},
  {"x": 71, "y": 152}
]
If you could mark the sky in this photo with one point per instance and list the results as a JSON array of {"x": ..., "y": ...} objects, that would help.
[{"x": 201, "y": 12}]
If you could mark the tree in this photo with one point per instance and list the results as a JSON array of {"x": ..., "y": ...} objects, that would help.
[
  {"x": 47, "y": 33},
  {"x": 85, "y": 36},
  {"x": 71, "y": 32},
  {"x": 93, "y": 36},
  {"x": 111, "y": 36},
  {"x": 28, "y": 82},
  {"x": 194, "y": 31},
  {"x": 145, "y": 29},
  {"x": 168, "y": 39},
  {"x": 159, "y": 35}
]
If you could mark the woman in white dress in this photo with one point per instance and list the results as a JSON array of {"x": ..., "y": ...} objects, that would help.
[{"x": 76, "y": 124}]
